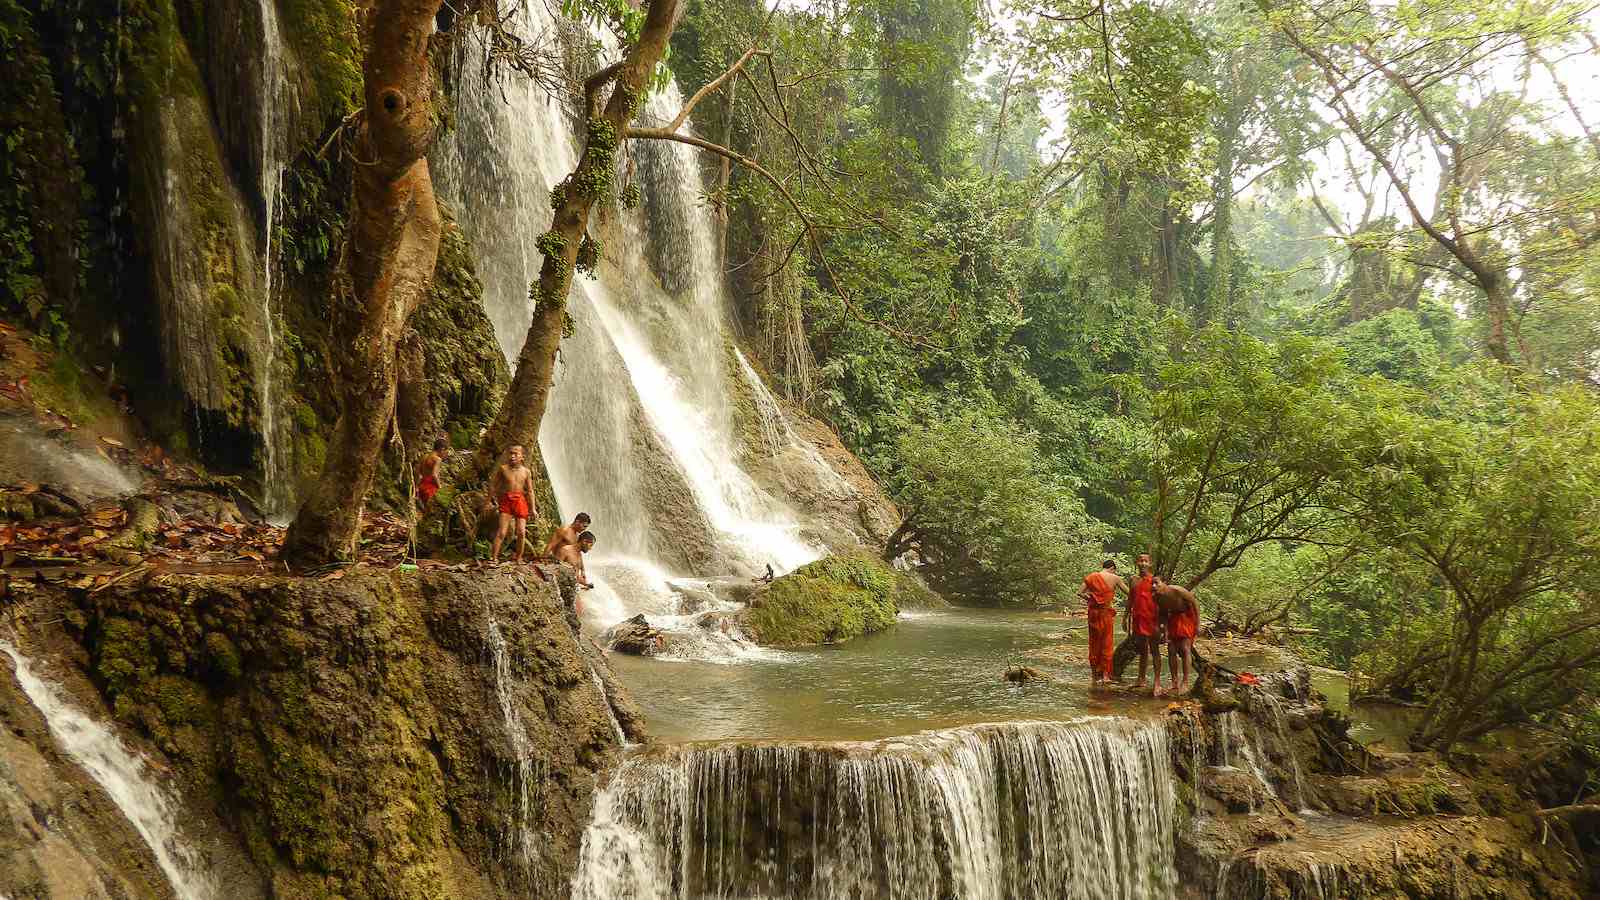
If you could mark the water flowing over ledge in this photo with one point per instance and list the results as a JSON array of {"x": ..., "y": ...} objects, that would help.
[
  {"x": 1081, "y": 809},
  {"x": 125, "y": 778}
]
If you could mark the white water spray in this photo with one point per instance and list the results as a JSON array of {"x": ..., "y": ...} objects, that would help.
[
  {"x": 528, "y": 771},
  {"x": 124, "y": 776}
]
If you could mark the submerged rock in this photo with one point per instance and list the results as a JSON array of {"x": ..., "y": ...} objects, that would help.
[{"x": 1020, "y": 674}]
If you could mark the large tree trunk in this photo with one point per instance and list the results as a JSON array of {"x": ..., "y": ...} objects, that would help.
[
  {"x": 1497, "y": 303},
  {"x": 523, "y": 410},
  {"x": 393, "y": 245}
]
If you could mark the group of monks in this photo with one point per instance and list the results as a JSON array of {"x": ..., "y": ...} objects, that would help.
[
  {"x": 1156, "y": 612},
  {"x": 511, "y": 492}
]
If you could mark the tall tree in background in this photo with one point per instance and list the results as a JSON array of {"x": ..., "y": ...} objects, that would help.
[
  {"x": 393, "y": 245},
  {"x": 1420, "y": 90}
]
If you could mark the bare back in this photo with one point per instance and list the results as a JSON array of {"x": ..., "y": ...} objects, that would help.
[{"x": 1171, "y": 598}]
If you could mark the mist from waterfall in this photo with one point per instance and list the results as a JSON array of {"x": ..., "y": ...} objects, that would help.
[
  {"x": 124, "y": 776},
  {"x": 640, "y": 401},
  {"x": 1020, "y": 811}
]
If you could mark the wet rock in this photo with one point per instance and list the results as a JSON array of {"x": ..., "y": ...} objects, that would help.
[
  {"x": 1022, "y": 674},
  {"x": 1237, "y": 790},
  {"x": 635, "y": 637}
]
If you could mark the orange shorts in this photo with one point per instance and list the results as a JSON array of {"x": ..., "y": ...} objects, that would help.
[{"x": 514, "y": 505}]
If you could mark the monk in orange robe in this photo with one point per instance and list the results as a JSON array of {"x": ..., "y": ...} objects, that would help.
[
  {"x": 1099, "y": 593},
  {"x": 1143, "y": 621}
]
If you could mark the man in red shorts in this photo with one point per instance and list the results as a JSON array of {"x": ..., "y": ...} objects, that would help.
[
  {"x": 1182, "y": 613},
  {"x": 428, "y": 472},
  {"x": 1099, "y": 593},
  {"x": 512, "y": 486},
  {"x": 1141, "y": 620}
]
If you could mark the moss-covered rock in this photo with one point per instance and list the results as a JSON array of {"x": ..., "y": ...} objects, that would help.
[
  {"x": 831, "y": 600},
  {"x": 350, "y": 732}
]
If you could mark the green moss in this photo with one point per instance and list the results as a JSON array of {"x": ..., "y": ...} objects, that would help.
[
  {"x": 323, "y": 35},
  {"x": 180, "y": 701},
  {"x": 833, "y": 599},
  {"x": 222, "y": 657},
  {"x": 125, "y": 658},
  {"x": 67, "y": 387}
]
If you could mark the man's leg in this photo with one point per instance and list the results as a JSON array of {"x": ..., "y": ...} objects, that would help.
[
  {"x": 1144, "y": 659},
  {"x": 499, "y": 537},
  {"x": 522, "y": 533},
  {"x": 1187, "y": 643}
]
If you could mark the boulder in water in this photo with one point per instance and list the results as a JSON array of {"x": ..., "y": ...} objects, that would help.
[
  {"x": 636, "y": 637},
  {"x": 828, "y": 601}
]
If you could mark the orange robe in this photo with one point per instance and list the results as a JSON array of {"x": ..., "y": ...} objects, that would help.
[{"x": 1102, "y": 621}]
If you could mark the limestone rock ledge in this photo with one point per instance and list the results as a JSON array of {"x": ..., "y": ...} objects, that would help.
[{"x": 376, "y": 734}]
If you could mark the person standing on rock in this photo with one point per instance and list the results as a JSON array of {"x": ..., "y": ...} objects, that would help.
[
  {"x": 1142, "y": 621},
  {"x": 1099, "y": 593},
  {"x": 569, "y": 534},
  {"x": 1182, "y": 614},
  {"x": 428, "y": 472},
  {"x": 512, "y": 487}
]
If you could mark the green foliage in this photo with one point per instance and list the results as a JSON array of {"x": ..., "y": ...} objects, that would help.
[
  {"x": 991, "y": 523},
  {"x": 1254, "y": 440},
  {"x": 831, "y": 600},
  {"x": 589, "y": 254}
]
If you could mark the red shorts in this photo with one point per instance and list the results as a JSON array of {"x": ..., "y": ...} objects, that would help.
[
  {"x": 514, "y": 505},
  {"x": 1182, "y": 625},
  {"x": 428, "y": 487}
]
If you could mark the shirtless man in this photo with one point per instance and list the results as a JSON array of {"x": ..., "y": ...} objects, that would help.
[
  {"x": 428, "y": 472},
  {"x": 512, "y": 486},
  {"x": 1099, "y": 593},
  {"x": 1182, "y": 615},
  {"x": 572, "y": 555},
  {"x": 568, "y": 535},
  {"x": 1141, "y": 620}
]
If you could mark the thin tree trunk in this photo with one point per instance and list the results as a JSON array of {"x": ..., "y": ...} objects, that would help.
[
  {"x": 1218, "y": 304},
  {"x": 1497, "y": 303},
  {"x": 523, "y": 410},
  {"x": 393, "y": 246}
]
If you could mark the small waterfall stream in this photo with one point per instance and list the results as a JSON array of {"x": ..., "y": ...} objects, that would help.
[
  {"x": 1080, "y": 809},
  {"x": 124, "y": 776},
  {"x": 522, "y": 843},
  {"x": 276, "y": 97}
]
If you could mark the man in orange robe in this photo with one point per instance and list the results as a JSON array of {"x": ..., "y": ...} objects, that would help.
[
  {"x": 1144, "y": 622},
  {"x": 1099, "y": 593}
]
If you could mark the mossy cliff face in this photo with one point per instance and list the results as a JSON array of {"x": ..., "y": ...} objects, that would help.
[
  {"x": 350, "y": 732},
  {"x": 831, "y": 600}
]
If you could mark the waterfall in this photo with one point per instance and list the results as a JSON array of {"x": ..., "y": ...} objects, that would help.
[
  {"x": 277, "y": 494},
  {"x": 123, "y": 775},
  {"x": 1080, "y": 809},
  {"x": 527, "y": 771},
  {"x": 640, "y": 430}
]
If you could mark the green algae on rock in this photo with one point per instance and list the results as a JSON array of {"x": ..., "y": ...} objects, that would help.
[
  {"x": 831, "y": 600},
  {"x": 351, "y": 732}
]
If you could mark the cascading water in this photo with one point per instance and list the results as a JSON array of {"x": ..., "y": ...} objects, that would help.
[
  {"x": 640, "y": 429},
  {"x": 527, "y": 772},
  {"x": 123, "y": 775},
  {"x": 1022, "y": 810},
  {"x": 277, "y": 496}
]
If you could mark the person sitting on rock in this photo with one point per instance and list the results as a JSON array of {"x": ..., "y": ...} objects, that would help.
[
  {"x": 1140, "y": 619},
  {"x": 572, "y": 555},
  {"x": 512, "y": 486},
  {"x": 428, "y": 472},
  {"x": 566, "y": 535},
  {"x": 1182, "y": 614}
]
